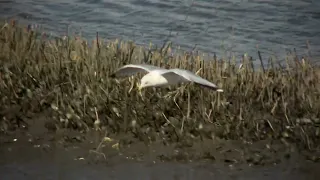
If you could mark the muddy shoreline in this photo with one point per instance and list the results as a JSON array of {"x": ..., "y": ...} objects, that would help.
[{"x": 73, "y": 154}]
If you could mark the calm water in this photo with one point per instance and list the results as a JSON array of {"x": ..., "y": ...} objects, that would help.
[{"x": 218, "y": 26}]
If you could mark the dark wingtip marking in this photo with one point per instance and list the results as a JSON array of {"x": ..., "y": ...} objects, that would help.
[{"x": 113, "y": 75}]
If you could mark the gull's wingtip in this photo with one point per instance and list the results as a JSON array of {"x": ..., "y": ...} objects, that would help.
[{"x": 219, "y": 90}]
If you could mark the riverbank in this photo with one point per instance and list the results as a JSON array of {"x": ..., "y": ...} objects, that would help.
[
  {"x": 60, "y": 90},
  {"x": 68, "y": 155}
]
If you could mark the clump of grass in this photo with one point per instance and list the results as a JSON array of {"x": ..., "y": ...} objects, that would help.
[{"x": 71, "y": 79}]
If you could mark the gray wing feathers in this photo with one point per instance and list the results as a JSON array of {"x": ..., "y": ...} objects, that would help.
[
  {"x": 172, "y": 77},
  {"x": 194, "y": 78},
  {"x": 132, "y": 69}
]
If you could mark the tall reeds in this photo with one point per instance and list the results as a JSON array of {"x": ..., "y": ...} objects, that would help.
[{"x": 70, "y": 78}]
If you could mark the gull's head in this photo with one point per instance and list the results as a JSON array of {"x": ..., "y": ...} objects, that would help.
[
  {"x": 143, "y": 84},
  {"x": 146, "y": 81},
  {"x": 152, "y": 79}
]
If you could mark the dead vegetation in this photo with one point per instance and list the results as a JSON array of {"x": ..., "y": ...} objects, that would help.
[{"x": 70, "y": 79}]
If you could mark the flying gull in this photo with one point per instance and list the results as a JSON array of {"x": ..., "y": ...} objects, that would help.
[{"x": 160, "y": 77}]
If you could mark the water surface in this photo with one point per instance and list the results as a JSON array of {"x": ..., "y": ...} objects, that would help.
[{"x": 217, "y": 26}]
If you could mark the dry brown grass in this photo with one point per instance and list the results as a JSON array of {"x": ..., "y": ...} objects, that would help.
[{"x": 72, "y": 80}]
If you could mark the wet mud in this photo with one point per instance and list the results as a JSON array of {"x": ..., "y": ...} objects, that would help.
[{"x": 36, "y": 152}]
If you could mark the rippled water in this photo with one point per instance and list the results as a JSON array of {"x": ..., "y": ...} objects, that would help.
[{"x": 238, "y": 26}]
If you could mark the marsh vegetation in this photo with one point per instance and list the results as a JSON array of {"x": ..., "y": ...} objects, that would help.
[{"x": 70, "y": 80}]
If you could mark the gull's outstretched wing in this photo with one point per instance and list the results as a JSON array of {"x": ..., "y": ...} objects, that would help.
[
  {"x": 191, "y": 77},
  {"x": 132, "y": 69}
]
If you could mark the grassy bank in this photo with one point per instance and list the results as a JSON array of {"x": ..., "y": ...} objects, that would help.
[{"x": 70, "y": 80}]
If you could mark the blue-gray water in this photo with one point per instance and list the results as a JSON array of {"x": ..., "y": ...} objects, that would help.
[{"x": 218, "y": 26}]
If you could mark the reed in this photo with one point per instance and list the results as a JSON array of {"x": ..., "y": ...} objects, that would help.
[{"x": 70, "y": 79}]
